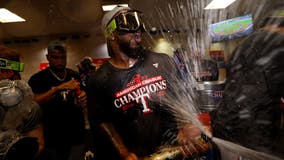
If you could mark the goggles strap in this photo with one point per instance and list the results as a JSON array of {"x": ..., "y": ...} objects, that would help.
[
  {"x": 13, "y": 65},
  {"x": 110, "y": 28}
]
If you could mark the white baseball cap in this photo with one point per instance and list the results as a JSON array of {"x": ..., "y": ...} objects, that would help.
[{"x": 110, "y": 15}]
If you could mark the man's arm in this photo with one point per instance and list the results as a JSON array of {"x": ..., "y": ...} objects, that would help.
[
  {"x": 117, "y": 142},
  {"x": 191, "y": 140},
  {"x": 37, "y": 133},
  {"x": 47, "y": 96}
]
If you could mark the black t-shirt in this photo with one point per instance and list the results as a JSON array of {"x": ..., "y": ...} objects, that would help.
[
  {"x": 62, "y": 118},
  {"x": 132, "y": 100},
  {"x": 249, "y": 113}
]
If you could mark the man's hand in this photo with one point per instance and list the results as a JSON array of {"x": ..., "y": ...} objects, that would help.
[
  {"x": 72, "y": 85},
  {"x": 130, "y": 156},
  {"x": 189, "y": 136},
  {"x": 82, "y": 99},
  {"x": 49, "y": 95}
]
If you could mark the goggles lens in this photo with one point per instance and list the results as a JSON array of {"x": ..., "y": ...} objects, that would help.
[
  {"x": 130, "y": 21},
  {"x": 13, "y": 65}
]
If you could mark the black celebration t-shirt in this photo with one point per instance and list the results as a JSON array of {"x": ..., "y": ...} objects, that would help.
[{"x": 132, "y": 100}]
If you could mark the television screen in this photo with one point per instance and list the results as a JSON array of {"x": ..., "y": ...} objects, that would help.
[{"x": 231, "y": 28}]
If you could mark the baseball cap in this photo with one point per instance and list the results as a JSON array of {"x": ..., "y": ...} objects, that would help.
[
  {"x": 128, "y": 21},
  {"x": 110, "y": 15},
  {"x": 56, "y": 47}
]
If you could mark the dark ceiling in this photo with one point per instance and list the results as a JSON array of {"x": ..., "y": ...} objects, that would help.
[
  {"x": 53, "y": 17},
  {"x": 60, "y": 17}
]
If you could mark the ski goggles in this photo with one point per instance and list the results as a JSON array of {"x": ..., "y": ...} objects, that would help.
[
  {"x": 128, "y": 22},
  {"x": 12, "y": 65}
]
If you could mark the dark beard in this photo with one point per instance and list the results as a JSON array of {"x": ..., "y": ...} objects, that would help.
[{"x": 130, "y": 52}]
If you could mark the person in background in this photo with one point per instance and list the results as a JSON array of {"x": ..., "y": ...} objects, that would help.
[
  {"x": 250, "y": 112},
  {"x": 10, "y": 55},
  {"x": 86, "y": 69},
  {"x": 13, "y": 107},
  {"x": 126, "y": 94},
  {"x": 57, "y": 90}
]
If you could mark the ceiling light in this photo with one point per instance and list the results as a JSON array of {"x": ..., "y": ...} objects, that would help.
[
  {"x": 110, "y": 7},
  {"x": 219, "y": 4},
  {"x": 7, "y": 16}
]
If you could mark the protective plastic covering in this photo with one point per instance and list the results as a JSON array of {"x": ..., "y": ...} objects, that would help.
[{"x": 16, "y": 107}]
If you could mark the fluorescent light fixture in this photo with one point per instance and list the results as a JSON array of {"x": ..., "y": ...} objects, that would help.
[
  {"x": 7, "y": 16},
  {"x": 219, "y": 4},
  {"x": 110, "y": 7}
]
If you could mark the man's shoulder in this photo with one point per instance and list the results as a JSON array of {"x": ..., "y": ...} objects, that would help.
[
  {"x": 40, "y": 73},
  {"x": 155, "y": 55},
  {"x": 102, "y": 71},
  {"x": 40, "y": 76}
]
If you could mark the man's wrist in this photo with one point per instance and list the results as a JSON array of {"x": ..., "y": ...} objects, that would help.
[
  {"x": 53, "y": 90},
  {"x": 123, "y": 152}
]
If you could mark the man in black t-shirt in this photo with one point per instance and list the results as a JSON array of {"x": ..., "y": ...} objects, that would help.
[
  {"x": 57, "y": 90},
  {"x": 127, "y": 95}
]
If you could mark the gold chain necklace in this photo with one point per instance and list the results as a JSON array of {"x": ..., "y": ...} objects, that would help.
[{"x": 58, "y": 78}]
